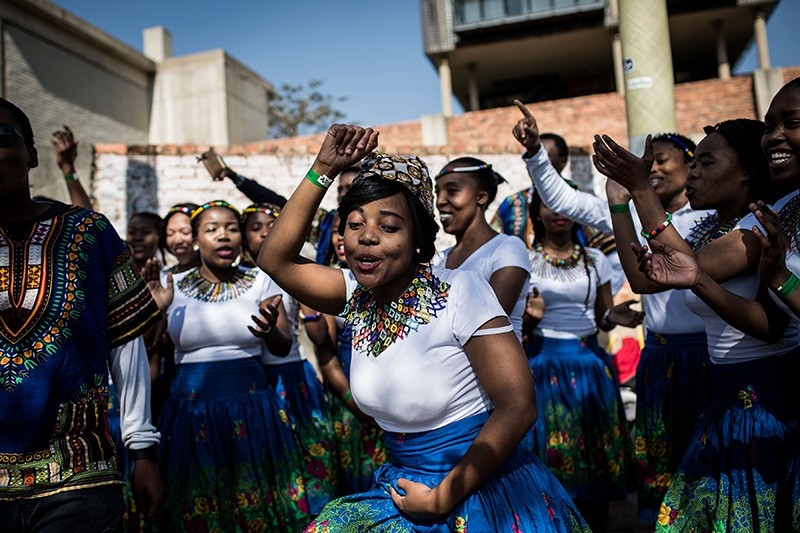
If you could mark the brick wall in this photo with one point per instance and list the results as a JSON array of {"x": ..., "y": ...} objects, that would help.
[{"x": 135, "y": 178}]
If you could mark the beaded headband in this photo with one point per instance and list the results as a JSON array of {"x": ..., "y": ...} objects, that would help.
[
  {"x": 409, "y": 171},
  {"x": 213, "y": 203},
  {"x": 268, "y": 209},
  {"x": 180, "y": 208},
  {"x": 676, "y": 140}
]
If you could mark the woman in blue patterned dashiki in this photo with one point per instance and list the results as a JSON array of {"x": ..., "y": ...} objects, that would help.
[
  {"x": 581, "y": 432},
  {"x": 294, "y": 378},
  {"x": 464, "y": 189},
  {"x": 359, "y": 441},
  {"x": 435, "y": 361},
  {"x": 228, "y": 457},
  {"x": 72, "y": 310},
  {"x": 731, "y": 476}
]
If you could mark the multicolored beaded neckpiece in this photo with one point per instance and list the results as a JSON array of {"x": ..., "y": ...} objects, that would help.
[
  {"x": 560, "y": 262},
  {"x": 195, "y": 286},
  {"x": 545, "y": 266},
  {"x": 375, "y": 327},
  {"x": 788, "y": 217},
  {"x": 708, "y": 229}
]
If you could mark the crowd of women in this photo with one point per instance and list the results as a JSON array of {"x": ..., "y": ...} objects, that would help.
[{"x": 465, "y": 389}]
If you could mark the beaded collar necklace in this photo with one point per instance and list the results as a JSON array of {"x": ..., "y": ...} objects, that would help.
[
  {"x": 375, "y": 327},
  {"x": 560, "y": 262},
  {"x": 788, "y": 216},
  {"x": 708, "y": 229},
  {"x": 195, "y": 286}
]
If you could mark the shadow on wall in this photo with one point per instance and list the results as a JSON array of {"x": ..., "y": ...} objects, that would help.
[{"x": 141, "y": 186}]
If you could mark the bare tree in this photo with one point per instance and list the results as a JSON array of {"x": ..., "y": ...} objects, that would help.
[{"x": 300, "y": 109}]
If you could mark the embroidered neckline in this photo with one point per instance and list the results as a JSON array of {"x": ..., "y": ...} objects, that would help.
[
  {"x": 788, "y": 216},
  {"x": 375, "y": 326},
  {"x": 195, "y": 286},
  {"x": 708, "y": 229},
  {"x": 560, "y": 262}
]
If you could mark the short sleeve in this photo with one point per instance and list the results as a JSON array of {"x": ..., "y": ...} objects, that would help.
[
  {"x": 131, "y": 308},
  {"x": 473, "y": 304},
  {"x": 511, "y": 253},
  {"x": 602, "y": 265}
]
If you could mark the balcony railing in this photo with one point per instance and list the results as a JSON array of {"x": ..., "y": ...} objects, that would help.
[{"x": 482, "y": 13}]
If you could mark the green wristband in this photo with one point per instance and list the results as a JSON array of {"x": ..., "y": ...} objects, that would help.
[
  {"x": 320, "y": 180},
  {"x": 347, "y": 396},
  {"x": 71, "y": 176},
  {"x": 788, "y": 287},
  {"x": 619, "y": 208}
]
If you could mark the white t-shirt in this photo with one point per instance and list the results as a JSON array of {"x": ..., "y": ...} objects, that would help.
[
  {"x": 423, "y": 380},
  {"x": 501, "y": 251},
  {"x": 569, "y": 295},
  {"x": 208, "y": 321},
  {"x": 727, "y": 344}
]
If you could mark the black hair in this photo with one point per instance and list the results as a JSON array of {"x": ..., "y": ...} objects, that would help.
[
  {"x": 561, "y": 144},
  {"x": 177, "y": 208},
  {"x": 680, "y": 142},
  {"x": 487, "y": 178},
  {"x": 539, "y": 233},
  {"x": 367, "y": 189},
  {"x": 22, "y": 121},
  {"x": 743, "y": 135}
]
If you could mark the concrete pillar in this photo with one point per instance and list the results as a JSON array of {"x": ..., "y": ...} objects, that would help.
[
  {"x": 723, "y": 65},
  {"x": 157, "y": 43},
  {"x": 760, "y": 30},
  {"x": 472, "y": 87},
  {"x": 619, "y": 74},
  {"x": 446, "y": 87},
  {"x": 647, "y": 64}
]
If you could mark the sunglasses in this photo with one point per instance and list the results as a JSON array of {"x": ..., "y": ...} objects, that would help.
[{"x": 9, "y": 135}]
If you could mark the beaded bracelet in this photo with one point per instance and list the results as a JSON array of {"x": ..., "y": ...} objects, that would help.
[
  {"x": 619, "y": 208},
  {"x": 647, "y": 235},
  {"x": 788, "y": 287},
  {"x": 347, "y": 396},
  {"x": 320, "y": 180}
]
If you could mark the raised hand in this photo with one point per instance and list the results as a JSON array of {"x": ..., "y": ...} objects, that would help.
[
  {"x": 623, "y": 315},
  {"x": 66, "y": 149},
  {"x": 269, "y": 310},
  {"x": 343, "y": 146},
  {"x": 526, "y": 131},
  {"x": 774, "y": 244},
  {"x": 618, "y": 164},
  {"x": 152, "y": 278},
  {"x": 534, "y": 305},
  {"x": 667, "y": 266}
]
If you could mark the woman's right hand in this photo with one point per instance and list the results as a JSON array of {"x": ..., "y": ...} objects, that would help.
[
  {"x": 343, "y": 146},
  {"x": 152, "y": 278},
  {"x": 534, "y": 305},
  {"x": 667, "y": 266}
]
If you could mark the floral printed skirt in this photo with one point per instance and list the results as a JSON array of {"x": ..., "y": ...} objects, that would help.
[
  {"x": 521, "y": 496},
  {"x": 306, "y": 406},
  {"x": 581, "y": 432},
  {"x": 673, "y": 387},
  {"x": 359, "y": 449},
  {"x": 229, "y": 459},
  {"x": 735, "y": 468}
]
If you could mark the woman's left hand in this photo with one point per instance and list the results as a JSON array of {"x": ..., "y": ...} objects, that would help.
[
  {"x": 420, "y": 502},
  {"x": 618, "y": 164},
  {"x": 269, "y": 310},
  {"x": 623, "y": 315}
]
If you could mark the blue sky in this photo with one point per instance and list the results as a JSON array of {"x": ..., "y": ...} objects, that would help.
[{"x": 369, "y": 51}]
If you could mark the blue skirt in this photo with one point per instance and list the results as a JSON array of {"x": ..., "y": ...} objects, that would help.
[
  {"x": 228, "y": 457},
  {"x": 673, "y": 387},
  {"x": 581, "y": 432},
  {"x": 521, "y": 496},
  {"x": 306, "y": 406},
  {"x": 736, "y": 464}
]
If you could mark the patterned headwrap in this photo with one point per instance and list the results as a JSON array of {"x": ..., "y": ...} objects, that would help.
[{"x": 409, "y": 171}]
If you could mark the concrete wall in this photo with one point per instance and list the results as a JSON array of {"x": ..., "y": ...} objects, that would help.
[
  {"x": 60, "y": 70},
  {"x": 247, "y": 97}
]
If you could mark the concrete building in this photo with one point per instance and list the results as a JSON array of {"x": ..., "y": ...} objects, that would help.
[
  {"x": 61, "y": 70},
  {"x": 488, "y": 52}
]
